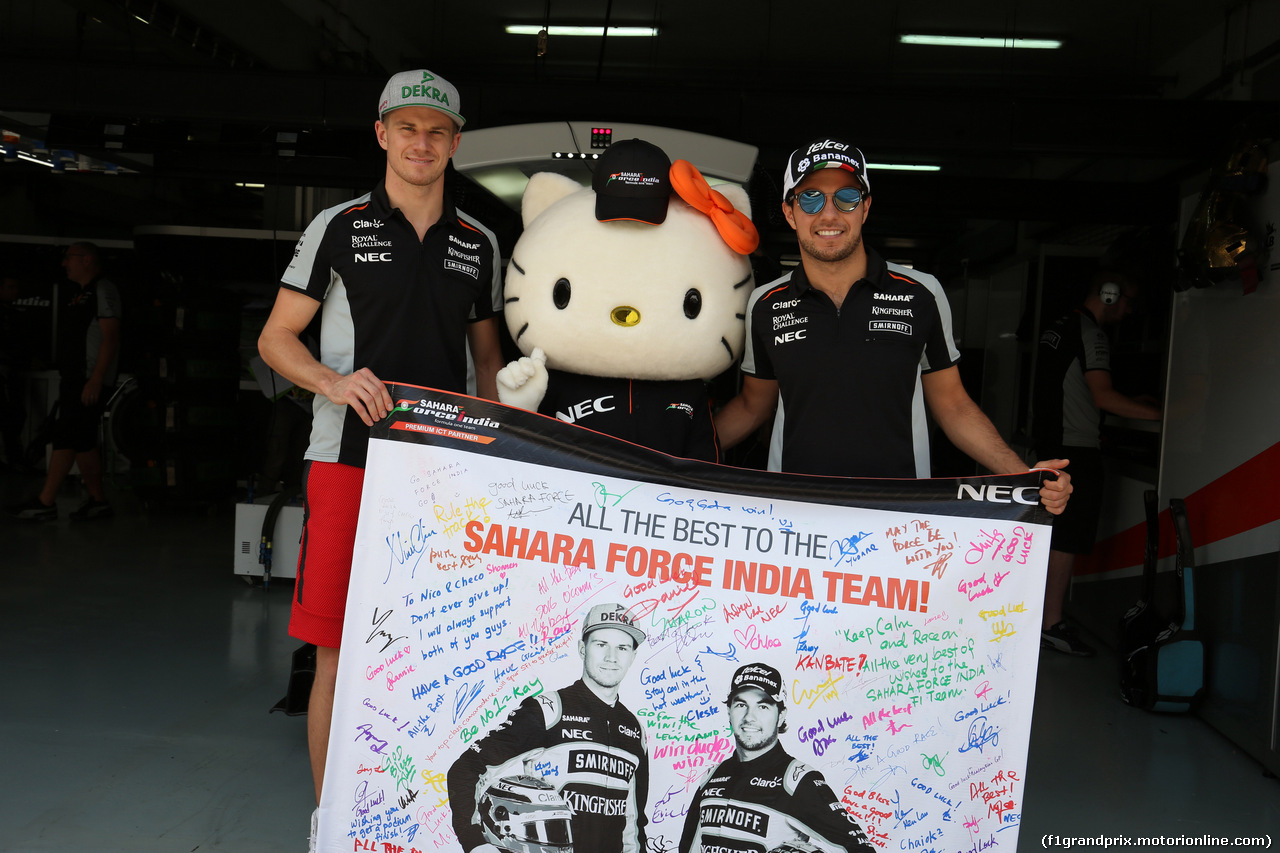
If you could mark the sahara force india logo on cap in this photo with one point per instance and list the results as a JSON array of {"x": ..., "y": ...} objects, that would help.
[
  {"x": 422, "y": 90},
  {"x": 633, "y": 179}
]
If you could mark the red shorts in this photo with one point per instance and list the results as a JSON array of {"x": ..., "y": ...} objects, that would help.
[{"x": 331, "y": 509}]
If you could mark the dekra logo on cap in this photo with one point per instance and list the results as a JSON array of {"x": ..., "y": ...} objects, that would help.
[
  {"x": 421, "y": 90},
  {"x": 615, "y": 616}
]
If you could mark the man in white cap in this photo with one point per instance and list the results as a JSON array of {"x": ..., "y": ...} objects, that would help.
[
  {"x": 850, "y": 348},
  {"x": 580, "y": 738},
  {"x": 407, "y": 282},
  {"x": 760, "y": 798}
]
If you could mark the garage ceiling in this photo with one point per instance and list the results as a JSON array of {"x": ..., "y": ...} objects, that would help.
[{"x": 193, "y": 97}]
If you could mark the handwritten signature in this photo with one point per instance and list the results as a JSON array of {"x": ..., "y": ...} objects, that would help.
[
  {"x": 378, "y": 632},
  {"x": 981, "y": 734}
]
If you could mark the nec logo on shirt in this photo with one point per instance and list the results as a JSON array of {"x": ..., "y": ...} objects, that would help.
[
  {"x": 788, "y": 337},
  {"x": 578, "y": 411},
  {"x": 372, "y": 257}
]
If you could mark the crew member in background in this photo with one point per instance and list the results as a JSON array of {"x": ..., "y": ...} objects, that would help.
[
  {"x": 88, "y": 349},
  {"x": 1072, "y": 389},
  {"x": 407, "y": 282}
]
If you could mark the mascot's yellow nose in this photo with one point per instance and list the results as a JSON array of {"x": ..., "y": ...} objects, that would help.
[{"x": 625, "y": 315}]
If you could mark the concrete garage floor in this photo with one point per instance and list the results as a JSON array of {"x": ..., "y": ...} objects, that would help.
[{"x": 138, "y": 672}]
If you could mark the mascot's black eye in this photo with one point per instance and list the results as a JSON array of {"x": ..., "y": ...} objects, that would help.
[
  {"x": 692, "y": 304},
  {"x": 560, "y": 294}
]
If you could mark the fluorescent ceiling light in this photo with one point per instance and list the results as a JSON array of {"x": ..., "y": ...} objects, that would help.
[
  {"x": 904, "y": 167},
  {"x": 533, "y": 30},
  {"x": 981, "y": 41},
  {"x": 30, "y": 159}
]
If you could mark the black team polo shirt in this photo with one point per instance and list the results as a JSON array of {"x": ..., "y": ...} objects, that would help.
[{"x": 848, "y": 378}]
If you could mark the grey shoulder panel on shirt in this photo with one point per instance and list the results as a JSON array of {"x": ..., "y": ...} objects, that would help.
[
  {"x": 748, "y": 364},
  {"x": 298, "y": 274}
]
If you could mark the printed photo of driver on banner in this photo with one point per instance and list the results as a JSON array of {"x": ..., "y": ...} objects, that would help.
[
  {"x": 566, "y": 770},
  {"x": 761, "y": 800}
]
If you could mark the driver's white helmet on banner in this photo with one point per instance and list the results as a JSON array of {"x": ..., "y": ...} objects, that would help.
[{"x": 525, "y": 814}]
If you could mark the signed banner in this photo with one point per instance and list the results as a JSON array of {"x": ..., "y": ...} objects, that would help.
[{"x": 556, "y": 640}]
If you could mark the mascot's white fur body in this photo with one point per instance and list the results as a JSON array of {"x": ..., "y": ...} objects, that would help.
[{"x": 623, "y": 301}]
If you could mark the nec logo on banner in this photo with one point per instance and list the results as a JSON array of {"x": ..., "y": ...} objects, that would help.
[
  {"x": 999, "y": 494},
  {"x": 370, "y": 257}
]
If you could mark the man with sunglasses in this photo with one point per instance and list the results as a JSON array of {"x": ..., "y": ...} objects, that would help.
[{"x": 850, "y": 348}]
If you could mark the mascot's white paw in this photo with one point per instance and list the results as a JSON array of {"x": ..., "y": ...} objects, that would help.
[{"x": 523, "y": 382}]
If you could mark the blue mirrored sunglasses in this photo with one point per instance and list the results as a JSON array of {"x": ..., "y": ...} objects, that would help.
[{"x": 846, "y": 200}]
